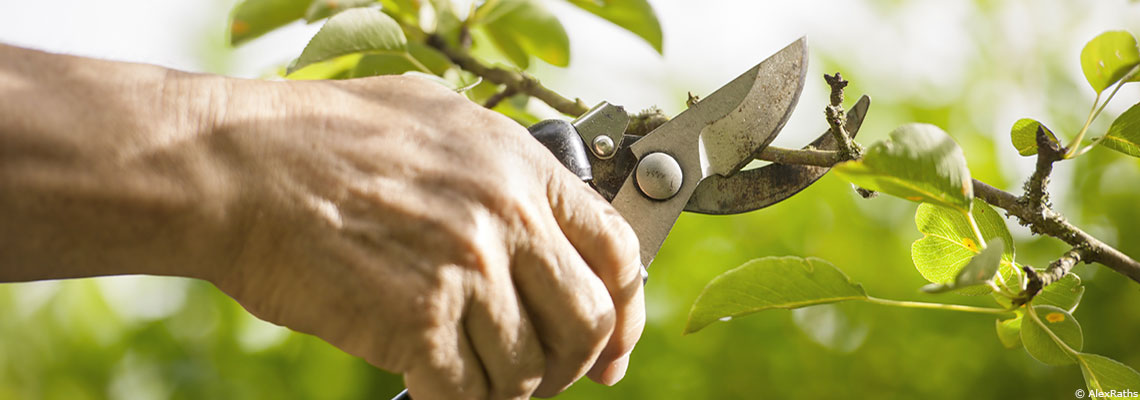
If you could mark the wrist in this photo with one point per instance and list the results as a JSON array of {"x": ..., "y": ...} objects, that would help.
[{"x": 110, "y": 168}]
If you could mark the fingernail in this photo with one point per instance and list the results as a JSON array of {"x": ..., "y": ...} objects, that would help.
[
  {"x": 644, "y": 275},
  {"x": 616, "y": 371}
]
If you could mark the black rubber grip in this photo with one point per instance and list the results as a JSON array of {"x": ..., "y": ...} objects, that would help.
[{"x": 564, "y": 142}]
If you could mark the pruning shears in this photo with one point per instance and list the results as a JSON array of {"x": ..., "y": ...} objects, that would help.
[{"x": 693, "y": 162}]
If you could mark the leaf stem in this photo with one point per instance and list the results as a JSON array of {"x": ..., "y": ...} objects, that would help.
[
  {"x": 416, "y": 63},
  {"x": 977, "y": 232},
  {"x": 938, "y": 306},
  {"x": 1073, "y": 145},
  {"x": 1097, "y": 114}
]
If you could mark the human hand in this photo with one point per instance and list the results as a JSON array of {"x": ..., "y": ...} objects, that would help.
[{"x": 408, "y": 226}]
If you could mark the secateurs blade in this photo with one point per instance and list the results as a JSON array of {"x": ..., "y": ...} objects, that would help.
[{"x": 693, "y": 162}]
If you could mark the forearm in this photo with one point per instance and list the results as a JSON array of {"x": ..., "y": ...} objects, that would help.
[{"x": 109, "y": 168}]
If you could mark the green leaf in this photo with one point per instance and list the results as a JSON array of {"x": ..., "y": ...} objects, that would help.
[
  {"x": 980, "y": 269},
  {"x": 771, "y": 282},
  {"x": 1009, "y": 332},
  {"x": 1106, "y": 375},
  {"x": 948, "y": 242},
  {"x": 1064, "y": 294},
  {"x": 446, "y": 22},
  {"x": 1124, "y": 134},
  {"x": 320, "y": 9},
  {"x": 428, "y": 61},
  {"x": 516, "y": 108},
  {"x": 253, "y": 18},
  {"x": 636, "y": 16},
  {"x": 404, "y": 10},
  {"x": 505, "y": 42},
  {"x": 1038, "y": 335},
  {"x": 385, "y": 64},
  {"x": 920, "y": 163},
  {"x": 1024, "y": 136},
  {"x": 526, "y": 25},
  {"x": 336, "y": 68},
  {"x": 840, "y": 327},
  {"x": 431, "y": 58},
  {"x": 353, "y": 31},
  {"x": 1108, "y": 57}
]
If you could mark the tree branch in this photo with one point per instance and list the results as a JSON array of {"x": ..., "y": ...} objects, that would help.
[
  {"x": 813, "y": 157},
  {"x": 1043, "y": 221},
  {"x": 837, "y": 119},
  {"x": 1056, "y": 270},
  {"x": 497, "y": 98},
  {"x": 1032, "y": 209},
  {"x": 519, "y": 82},
  {"x": 1036, "y": 188}
]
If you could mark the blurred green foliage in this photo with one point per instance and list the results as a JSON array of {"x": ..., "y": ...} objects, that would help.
[{"x": 167, "y": 338}]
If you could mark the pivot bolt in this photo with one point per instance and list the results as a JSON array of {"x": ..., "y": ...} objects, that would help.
[
  {"x": 603, "y": 146},
  {"x": 659, "y": 176}
]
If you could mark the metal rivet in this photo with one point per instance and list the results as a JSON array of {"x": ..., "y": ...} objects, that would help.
[
  {"x": 603, "y": 146},
  {"x": 659, "y": 176}
]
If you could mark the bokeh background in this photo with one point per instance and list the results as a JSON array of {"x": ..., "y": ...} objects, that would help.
[{"x": 971, "y": 67}]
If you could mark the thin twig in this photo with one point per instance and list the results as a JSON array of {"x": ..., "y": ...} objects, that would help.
[
  {"x": 646, "y": 121},
  {"x": 1036, "y": 187},
  {"x": 837, "y": 119},
  {"x": 814, "y": 157},
  {"x": 497, "y": 98},
  {"x": 1056, "y": 270},
  {"x": 516, "y": 80}
]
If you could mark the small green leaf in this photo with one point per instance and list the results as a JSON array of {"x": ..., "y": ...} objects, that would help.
[
  {"x": 948, "y": 242},
  {"x": 1038, "y": 335},
  {"x": 980, "y": 269},
  {"x": 431, "y": 58},
  {"x": 1124, "y": 134},
  {"x": 1064, "y": 294},
  {"x": 446, "y": 21},
  {"x": 336, "y": 68},
  {"x": 920, "y": 163},
  {"x": 1009, "y": 332},
  {"x": 505, "y": 42},
  {"x": 771, "y": 282},
  {"x": 527, "y": 25},
  {"x": 385, "y": 64},
  {"x": 839, "y": 327},
  {"x": 1108, "y": 57},
  {"x": 1106, "y": 375},
  {"x": 636, "y": 16},
  {"x": 404, "y": 10},
  {"x": 353, "y": 31},
  {"x": 320, "y": 9},
  {"x": 253, "y": 18},
  {"x": 516, "y": 108},
  {"x": 419, "y": 58},
  {"x": 1024, "y": 136}
]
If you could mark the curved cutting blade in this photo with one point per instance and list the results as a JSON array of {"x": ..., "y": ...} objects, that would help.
[
  {"x": 754, "y": 189},
  {"x": 716, "y": 136}
]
